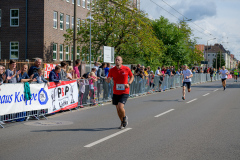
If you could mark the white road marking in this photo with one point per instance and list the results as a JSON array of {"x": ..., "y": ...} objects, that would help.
[
  {"x": 206, "y": 94},
  {"x": 215, "y": 90},
  {"x": 108, "y": 137},
  {"x": 164, "y": 113},
  {"x": 192, "y": 100}
]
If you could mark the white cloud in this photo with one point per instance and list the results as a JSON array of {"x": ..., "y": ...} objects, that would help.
[{"x": 216, "y": 17}]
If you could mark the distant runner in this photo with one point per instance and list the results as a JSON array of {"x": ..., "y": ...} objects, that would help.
[
  {"x": 224, "y": 73},
  {"x": 235, "y": 74},
  {"x": 187, "y": 74},
  {"x": 121, "y": 87}
]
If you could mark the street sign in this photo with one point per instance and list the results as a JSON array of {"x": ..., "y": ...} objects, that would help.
[{"x": 108, "y": 54}]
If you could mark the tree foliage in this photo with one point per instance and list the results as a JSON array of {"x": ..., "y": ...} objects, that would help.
[
  {"x": 117, "y": 24},
  {"x": 218, "y": 61}
]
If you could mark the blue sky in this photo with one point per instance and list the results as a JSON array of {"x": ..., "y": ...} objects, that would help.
[{"x": 218, "y": 19}]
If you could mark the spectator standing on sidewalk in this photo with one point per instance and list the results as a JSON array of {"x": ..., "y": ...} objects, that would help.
[
  {"x": 23, "y": 76},
  {"x": 63, "y": 72},
  {"x": 54, "y": 75},
  {"x": 2, "y": 76},
  {"x": 101, "y": 75},
  {"x": 12, "y": 73},
  {"x": 160, "y": 75},
  {"x": 40, "y": 78},
  {"x": 96, "y": 67},
  {"x": 37, "y": 65},
  {"x": 76, "y": 73}
]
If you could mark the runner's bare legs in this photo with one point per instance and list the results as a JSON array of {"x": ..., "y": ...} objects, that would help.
[{"x": 120, "y": 110}]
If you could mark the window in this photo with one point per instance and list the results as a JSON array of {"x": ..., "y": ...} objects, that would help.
[
  {"x": 61, "y": 52},
  {"x": 72, "y": 22},
  {"x": 78, "y": 2},
  {"x": 14, "y": 50},
  {"x": 208, "y": 55},
  {"x": 54, "y": 51},
  {"x": 67, "y": 21},
  {"x": 14, "y": 17},
  {"x": 83, "y": 3},
  {"x": 67, "y": 53},
  {"x": 88, "y": 4},
  {"x": 61, "y": 21},
  {"x": 72, "y": 1},
  {"x": 78, "y": 24},
  {"x": 55, "y": 20},
  {"x": 0, "y": 17},
  {"x": 83, "y": 23},
  {"x": 67, "y": 0}
]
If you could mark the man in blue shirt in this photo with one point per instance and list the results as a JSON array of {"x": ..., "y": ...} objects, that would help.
[
  {"x": 33, "y": 69},
  {"x": 54, "y": 75}
]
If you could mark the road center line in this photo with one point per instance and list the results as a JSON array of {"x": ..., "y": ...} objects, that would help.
[
  {"x": 215, "y": 90},
  {"x": 164, "y": 113},
  {"x": 206, "y": 94},
  {"x": 106, "y": 138},
  {"x": 192, "y": 100}
]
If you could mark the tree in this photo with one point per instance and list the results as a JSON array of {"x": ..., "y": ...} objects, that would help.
[
  {"x": 118, "y": 25},
  {"x": 218, "y": 61},
  {"x": 176, "y": 40}
]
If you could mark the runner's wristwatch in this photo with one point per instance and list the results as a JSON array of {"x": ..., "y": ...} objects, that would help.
[{"x": 129, "y": 84}]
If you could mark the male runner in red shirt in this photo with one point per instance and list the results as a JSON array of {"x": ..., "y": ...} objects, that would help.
[{"x": 121, "y": 86}]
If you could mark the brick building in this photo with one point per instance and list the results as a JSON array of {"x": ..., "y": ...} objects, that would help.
[{"x": 30, "y": 28}]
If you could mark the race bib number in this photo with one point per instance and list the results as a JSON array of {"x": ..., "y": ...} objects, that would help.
[{"x": 120, "y": 87}]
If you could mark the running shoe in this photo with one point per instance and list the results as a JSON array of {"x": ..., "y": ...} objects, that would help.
[
  {"x": 224, "y": 88},
  {"x": 121, "y": 126},
  {"x": 125, "y": 121},
  {"x": 183, "y": 98}
]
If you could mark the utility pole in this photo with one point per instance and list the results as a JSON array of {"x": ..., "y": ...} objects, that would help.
[{"x": 75, "y": 33}]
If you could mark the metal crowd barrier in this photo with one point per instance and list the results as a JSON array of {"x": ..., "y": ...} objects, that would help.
[
  {"x": 22, "y": 116},
  {"x": 101, "y": 92}
]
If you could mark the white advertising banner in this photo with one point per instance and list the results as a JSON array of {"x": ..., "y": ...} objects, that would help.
[
  {"x": 12, "y": 98},
  {"x": 64, "y": 96}
]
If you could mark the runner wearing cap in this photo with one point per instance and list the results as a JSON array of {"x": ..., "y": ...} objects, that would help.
[
  {"x": 187, "y": 74},
  {"x": 120, "y": 75},
  {"x": 224, "y": 76}
]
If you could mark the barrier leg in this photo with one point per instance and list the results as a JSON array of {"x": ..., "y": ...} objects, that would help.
[{"x": 1, "y": 124}]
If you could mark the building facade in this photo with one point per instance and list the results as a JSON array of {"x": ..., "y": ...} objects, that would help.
[
  {"x": 30, "y": 28},
  {"x": 212, "y": 51}
]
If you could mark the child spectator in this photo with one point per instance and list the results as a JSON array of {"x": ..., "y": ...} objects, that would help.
[
  {"x": 82, "y": 84},
  {"x": 40, "y": 78},
  {"x": 69, "y": 72},
  {"x": 92, "y": 80}
]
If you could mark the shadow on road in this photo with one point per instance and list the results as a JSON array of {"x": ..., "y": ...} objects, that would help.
[
  {"x": 176, "y": 100},
  {"x": 71, "y": 130}
]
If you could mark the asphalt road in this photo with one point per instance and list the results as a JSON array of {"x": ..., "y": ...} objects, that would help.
[{"x": 161, "y": 127}]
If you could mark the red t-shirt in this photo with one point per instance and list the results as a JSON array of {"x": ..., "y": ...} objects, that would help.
[{"x": 120, "y": 77}]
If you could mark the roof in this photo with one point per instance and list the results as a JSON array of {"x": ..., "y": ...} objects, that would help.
[{"x": 216, "y": 48}]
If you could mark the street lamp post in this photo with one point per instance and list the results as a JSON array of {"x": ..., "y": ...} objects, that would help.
[
  {"x": 90, "y": 59},
  {"x": 207, "y": 51}
]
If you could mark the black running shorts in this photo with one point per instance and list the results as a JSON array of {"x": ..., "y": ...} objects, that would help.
[
  {"x": 119, "y": 98},
  {"x": 224, "y": 79},
  {"x": 188, "y": 84}
]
